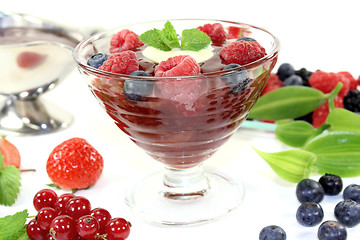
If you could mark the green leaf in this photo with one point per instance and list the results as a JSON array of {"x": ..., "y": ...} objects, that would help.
[
  {"x": 336, "y": 152},
  {"x": 9, "y": 185},
  {"x": 294, "y": 133},
  {"x": 194, "y": 40},
  {"x": 290, "y": 102},
  {"x": 170, "y": 37},
  {"x": 291, "y": 165},
  {"x": 341, "y": 119},
  {"x": 12, "y": 227},
  {"x": 154, "y": 38}
]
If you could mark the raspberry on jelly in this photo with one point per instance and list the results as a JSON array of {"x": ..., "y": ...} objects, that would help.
[
  {"x": 242, "y": 52},
  {"x": 182, "y": 65},
  {"x": 216, "y": 32},
  {"x": 122, "y": 62},
  {"x": 125, "y": 40}
]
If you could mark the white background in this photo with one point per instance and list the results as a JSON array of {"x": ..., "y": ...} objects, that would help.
[{"x": 313, "y": 34}]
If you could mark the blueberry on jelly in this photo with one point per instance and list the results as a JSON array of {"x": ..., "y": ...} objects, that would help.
[
  {"x": 272, "y": 232},
  {"x": 97, "y": 60},
  {"x": 285, "y": 70},
  {"x": 332, "y": 230},
  {"x": 308, "y": 190},
  {"x": 238, "y": 80},
  {"x": 347, "y": 212},
  {"x": 352, "y": 192},
  {"x": 246, "y": 39},
  {"x": 309, "y": 214},
  {"x": 332, "y": 184},
  {"x": 138, "y": 89},
  {"x": 293, "y": 80}
]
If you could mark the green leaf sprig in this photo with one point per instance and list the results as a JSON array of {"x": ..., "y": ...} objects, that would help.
[
  {"x": 332, "y": 148},
  {"x": 9, "y": 183},
  {"x": 13, "y": 227},
  {"x": 167, "y": 38}
]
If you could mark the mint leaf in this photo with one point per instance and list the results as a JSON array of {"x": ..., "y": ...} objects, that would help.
[
  {"x": 155, "y": 38},
  {"x": 170, "y": 37},
  {"x": 194, "y": 40},
  {"x": 12, "y": 227},
  {"x": 9, "y": 184}
]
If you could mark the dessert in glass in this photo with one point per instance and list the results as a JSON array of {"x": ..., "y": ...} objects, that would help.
[{"x": 180, "y": 89}]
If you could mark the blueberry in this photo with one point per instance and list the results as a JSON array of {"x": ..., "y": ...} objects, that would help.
[
  {"x": 347, "y": 212},
  {"x": 332, "y": 184},
  {"x": 246, "y": 39},
  {"x": 309, "y": 190},
  {"x": 309, "y": 214},
  {"x": 285, "y": 70},
  {"x": 352, "y": 192},
  {"x": 272, "y": 232},
  {"x": 97, "y": 60},
  {"x": 332, "y": 230},
  {"x": 138, "y": 89},
  {"x": 238, "y": 80},
  {"x": 293, "y": 80}
]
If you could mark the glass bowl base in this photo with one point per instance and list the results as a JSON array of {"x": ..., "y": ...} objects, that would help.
[{"x": 147, "y": 200}]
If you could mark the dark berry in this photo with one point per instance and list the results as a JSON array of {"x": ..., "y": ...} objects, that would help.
[
  {"x": 97, "y": 60},
  {"x": 306, "y": 118},
  {"x": 332, "y": 230},
  {"x": 309, "y": 190},
  {"x": 332, "y": 184},
  {"x": 309, "y": 214},
  {"x": 352, "y": 192},
  {"x": 305, "y": 75},
  {"x": 238, "y": 80},
  {"x": 138, "y": 89},
  {"x": 247, "y": 39},
  {"x": 285, "y": 70},
  {"x": 272, "y": 232},
  {"x": 293, "y": 80},
  {"x": 352, "y": 101},
  {"x": 347, "y": 212}
]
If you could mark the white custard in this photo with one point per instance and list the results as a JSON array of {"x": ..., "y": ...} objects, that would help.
[{"x": 157, "y": 55}]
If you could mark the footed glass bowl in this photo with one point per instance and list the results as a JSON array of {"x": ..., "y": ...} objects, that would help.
[{"x": 181, "y": 122}]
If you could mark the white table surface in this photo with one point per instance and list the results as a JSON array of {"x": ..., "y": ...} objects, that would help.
[{"x": 314, "y": 34}]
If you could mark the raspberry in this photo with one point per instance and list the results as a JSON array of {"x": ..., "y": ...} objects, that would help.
[
  {"x": 182, "y": 65},
  {"x": 272, "y": 84},
  {"x": 216, "y": 32},
  {"x": 320, "y": 114},
  {"x": 327, "y": 81},
  {"x": 242, "y": 52},
  {"x": 121, "y": 62},
  {"x": 124, "y": 40},
  {"x": 353, "y": 83}
]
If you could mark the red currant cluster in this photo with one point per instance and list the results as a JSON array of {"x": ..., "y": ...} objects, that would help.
[{"x": 68, "y": 217}]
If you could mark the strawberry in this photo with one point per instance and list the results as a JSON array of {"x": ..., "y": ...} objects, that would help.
[
  {"x": 74, "y": 164},
  {"x": 320, "y": 114},
  {"x": 10, "y": 153}
]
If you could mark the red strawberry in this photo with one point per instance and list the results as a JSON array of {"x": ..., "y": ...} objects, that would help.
[
  {"x": 124, "y": 40},
  {"x": 121, "y": 62},
  {"x": 320, "y": 114},
  {"x": 29, "y": 59},
  {"x": 182, "y": 65},
  {"x": 10, "y": 153},
  {"x": 74, "y": 164},
  {"x": 242, "y": 52},
  {"x": 327, "y": 81},
  {"x": 215, "y": 31}
]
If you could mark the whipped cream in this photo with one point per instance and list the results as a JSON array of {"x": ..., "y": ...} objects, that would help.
[{"x": 157, "y": 55}]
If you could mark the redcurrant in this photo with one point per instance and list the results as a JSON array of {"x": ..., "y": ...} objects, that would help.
[
  {"x": 45, "y": 198},
  {"x": 45, "y": 217},
  {"x": 102, "y": 216},
  {"x": 77, "y": 207},
  {"x": 63, "y": 227},
  {"x": 60, "y": 206},
  {"x": 87, "y": 227},
  {"x": 117, "y": 229},
  {"x": 34, "y": 231}
]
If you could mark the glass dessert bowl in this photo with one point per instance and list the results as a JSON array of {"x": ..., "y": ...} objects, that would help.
[{"x": 179, "y": 120}]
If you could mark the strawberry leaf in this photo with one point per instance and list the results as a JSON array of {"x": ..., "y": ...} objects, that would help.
[
  {"x": 9, "y": 184},
  {"x": 13, "y": 227}
]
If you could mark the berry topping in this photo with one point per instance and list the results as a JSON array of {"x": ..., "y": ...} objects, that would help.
[
  {"x": 272, "y": 232},
  {"x": 74, "y": 164},
  {"x": 138, "y": 89},
  {"x": 182, "y": 65},
  {"x": 309, "y": 214},
  {"x": 246, "y": 39},
  {"x": 327, "y": 81},
  {"x": 122, "y": 62},
  {"x": 97, "y": 60},
  {"x": 332, "y": 184},
  {"x": 124, "y": 40},
  {"x": 242, "y": 52},
  {"x": 332, "y": 230},
  {"x": 238, "y": 79},
  {"x": 10, "y": 153},
  {"x": 347, "y": 212},
  {"x": 308, "y": 190},
  {"x": 216, "y": 32}
]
